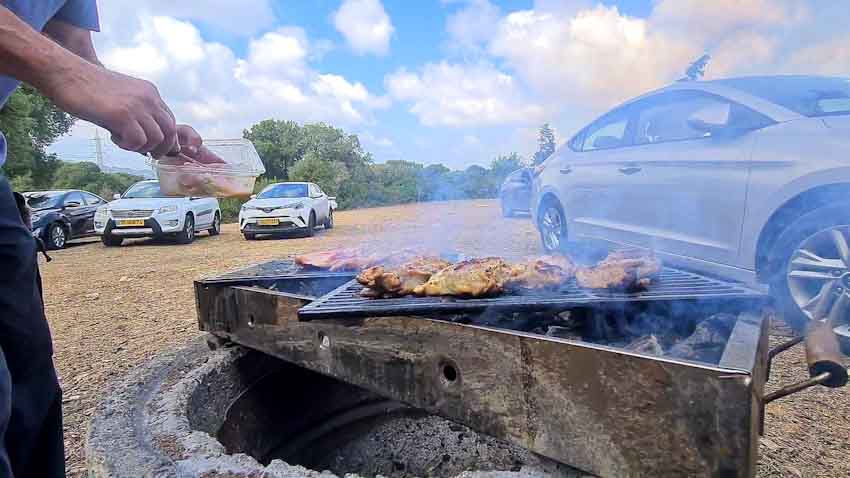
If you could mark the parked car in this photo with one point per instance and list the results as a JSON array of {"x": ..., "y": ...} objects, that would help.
[
  {"x": 745, "y": 178},
  {"x": 287, "y": 207},
  {"x": 515, "y": 193},
  {"x": 144, "y": 211},
  {"x": 59, "y": 216}
]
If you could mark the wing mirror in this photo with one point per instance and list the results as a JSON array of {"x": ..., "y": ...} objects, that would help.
[
  {"x": 710, "y": 119},
  {"x": 331, "y": 198},
  {"x": 116, "y": 196}
]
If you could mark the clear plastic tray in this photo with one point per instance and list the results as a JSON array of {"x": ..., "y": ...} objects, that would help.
[{"x": 232, "y": 178}]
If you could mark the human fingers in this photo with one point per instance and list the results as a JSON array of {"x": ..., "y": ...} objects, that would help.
[
  {"x": 153, "y": 133},
  {"x": 189, "y": 140},
  {"x": 131, "y": 136},
  {"x": 169, "y": 144}
]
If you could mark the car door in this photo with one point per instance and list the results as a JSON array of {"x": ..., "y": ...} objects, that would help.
[
  {"x": 204, "y": 211},
  {"x": 92, "y": 202},
  {"x": 589, "y": 185},
  {"x": 75, "y": 209},
  {"x": 517, "y": 189},
  {"x": 687, "y": 181},
  {"x": 321, "y": 203}
]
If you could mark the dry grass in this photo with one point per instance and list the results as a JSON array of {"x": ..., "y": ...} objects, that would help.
[{"x": 113, "y": 308}]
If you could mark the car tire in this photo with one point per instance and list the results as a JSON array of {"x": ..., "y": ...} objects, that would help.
[
  {"x": 329, "y": 222},
  {"x": 56, "y": 236},
  {"x": 187, "y": 235},
  {"x": 216, "y": 225},
  {"x": 551, "y": 223},
  {"x": 311, "y": 225},
  {"x": 111, "y": 241},
  {"x": 809, "y": 263},
  {"x": 506, "y": 209},
  {"x": 249, "y": 236}
]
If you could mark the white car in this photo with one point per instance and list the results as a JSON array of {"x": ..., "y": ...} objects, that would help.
[
  {"x": 143, "y": 211},
  {"x": 287, "y": 207}
]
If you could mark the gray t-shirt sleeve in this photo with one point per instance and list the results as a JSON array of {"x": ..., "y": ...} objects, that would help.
[{"x": 82, "y": 13}]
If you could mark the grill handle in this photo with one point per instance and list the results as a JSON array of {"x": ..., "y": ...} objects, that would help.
[{"x": 823, "y": 356}]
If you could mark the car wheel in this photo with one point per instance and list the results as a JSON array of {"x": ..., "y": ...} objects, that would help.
[
  {"x": 111, "y": 241},
  {"x": 311, "y": 225},
  {"x": 57, "y": 236},
  {"x": 216, "y": 225},
  {"x": 553, "y": 227},
  {"x": 812, "y": 280},
  {"x": 249, "y": 236},
  {"x": 329, "y": 222},
  {"x": 187, "y": 235},
  {"x": 506, "y": 208}
]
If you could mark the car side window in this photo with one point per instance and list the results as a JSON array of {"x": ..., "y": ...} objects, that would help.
[
  {"x": 607, "y": 132},
  {"x": 74, "y": 198},
  {"x": 674, "y": 117},
  {"x": 92, "y": 200}
]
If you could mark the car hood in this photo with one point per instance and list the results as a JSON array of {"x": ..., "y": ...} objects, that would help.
[
  {"x": 274, "y": 202},
  {"x": 838, "y": 122},
  {"x": 144, "y": 203}
]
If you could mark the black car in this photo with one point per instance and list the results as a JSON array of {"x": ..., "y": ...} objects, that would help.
[
  {"x": 515, "y": 193},
  {"x": 59, "y": 216}
]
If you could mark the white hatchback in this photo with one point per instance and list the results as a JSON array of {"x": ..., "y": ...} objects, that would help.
[{"x": 287, "y": 207}]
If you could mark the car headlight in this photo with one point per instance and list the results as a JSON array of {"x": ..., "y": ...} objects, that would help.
[
  {"x": 245, "y": 207},
  {"x": 101, "y": 212},
  {"x": 167, "y": 209}
]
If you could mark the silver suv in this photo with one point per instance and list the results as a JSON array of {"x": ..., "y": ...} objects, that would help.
[{"x": 743, "y": 178}]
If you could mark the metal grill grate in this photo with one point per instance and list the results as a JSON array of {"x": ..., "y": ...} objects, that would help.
[
  {"x": 672, "y": 285},
  {"x": 279, "y": 269}
]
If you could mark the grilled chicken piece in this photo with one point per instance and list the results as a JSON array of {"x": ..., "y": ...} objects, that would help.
[
  {"x": 352, "y": 259},
  {"x": 621, "y": 270},
  {"x": 470, "y": 278},
  {"x": 401, "y": 280},
  {"x": 546, "y": 272}
]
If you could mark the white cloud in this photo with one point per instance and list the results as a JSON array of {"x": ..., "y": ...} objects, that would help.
[
  {"x": 473, "y": 25},
  {"x": 462, "y": 95},
  {"x": 365, "y": 25}
]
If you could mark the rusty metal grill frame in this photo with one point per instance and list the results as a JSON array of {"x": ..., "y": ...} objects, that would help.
[{"x": 672, "y": 285}]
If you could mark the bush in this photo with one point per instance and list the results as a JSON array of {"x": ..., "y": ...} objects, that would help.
[{"x": 230, "y": 206}]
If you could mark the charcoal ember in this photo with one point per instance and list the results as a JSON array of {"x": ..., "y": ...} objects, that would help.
[
  {"x": 648, "y": 344},
  {"x": 708, "y": 340}
]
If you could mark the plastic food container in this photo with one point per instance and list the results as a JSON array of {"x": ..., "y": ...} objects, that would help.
[{"x": 232, "y": 173}]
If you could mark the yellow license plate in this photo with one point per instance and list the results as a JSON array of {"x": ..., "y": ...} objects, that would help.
[
  {"x": 272, "y": 221},
  {"x": 131, "y": 222}
]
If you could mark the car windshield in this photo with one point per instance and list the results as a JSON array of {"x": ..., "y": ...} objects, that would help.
[
  {"x": 45, "y": 200},
  {"x": 804, "y": 95},
  {"x": 283, "y": 191},
  {"x": 144, "y": 190}
]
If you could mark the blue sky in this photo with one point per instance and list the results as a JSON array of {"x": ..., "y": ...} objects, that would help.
[{"x": 451, "y": 81}]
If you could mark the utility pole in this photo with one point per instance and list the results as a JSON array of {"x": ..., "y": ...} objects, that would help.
[{"x": 98, "y": 149}]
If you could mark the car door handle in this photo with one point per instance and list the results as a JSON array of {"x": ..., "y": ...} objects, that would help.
[
  {"x": 630, "y": 169},
  {"x": 566, "y": 170}
]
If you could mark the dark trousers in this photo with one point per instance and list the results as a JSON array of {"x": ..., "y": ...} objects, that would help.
[{"x": 33, "y": 438}]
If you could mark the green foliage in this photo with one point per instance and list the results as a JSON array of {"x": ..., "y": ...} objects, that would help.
[
  {"x": 30, "y": 123},
  {"x": 87, "y": 176},
  {"x": 545, "y": 144},
  {"x": 279, "y": 143},
  {"x": 329, "y": 175}
]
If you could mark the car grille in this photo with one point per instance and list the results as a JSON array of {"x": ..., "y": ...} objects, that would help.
[{"x": 131, "y": 213}]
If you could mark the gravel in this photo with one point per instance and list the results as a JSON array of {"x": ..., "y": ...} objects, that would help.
[{"x": 112, "y": 309}]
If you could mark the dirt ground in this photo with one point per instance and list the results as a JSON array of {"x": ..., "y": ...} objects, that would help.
[{"x": 113, "y": 308}]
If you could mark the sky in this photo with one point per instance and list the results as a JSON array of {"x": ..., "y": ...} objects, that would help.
[{"x": 456, "y": 82}]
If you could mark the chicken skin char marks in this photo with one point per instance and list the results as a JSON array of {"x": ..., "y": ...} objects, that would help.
[
  {"x": 471, "y": 278},
  {"x": 387, "y": 281},
  {"x": 621, "y": 270}
]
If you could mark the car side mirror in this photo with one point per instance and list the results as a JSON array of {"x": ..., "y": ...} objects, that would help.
[
  {"x": 72, "y": 204},
  {"x": 601, "y": 142},
  {"x": 710, "y": 119},
  {"x": 116, "y": 196},
  {"x": 331, "y": 198}
]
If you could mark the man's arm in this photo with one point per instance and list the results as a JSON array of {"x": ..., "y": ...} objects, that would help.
[
  {"x": 131, "y": 109},
  {"x": 75, "y": 39}
]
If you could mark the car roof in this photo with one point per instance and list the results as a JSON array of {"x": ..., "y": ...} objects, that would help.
[{"x": 289, "y": 182}]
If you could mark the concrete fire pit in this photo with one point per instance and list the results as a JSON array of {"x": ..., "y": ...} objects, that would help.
[{"x": 238, "y": 413}]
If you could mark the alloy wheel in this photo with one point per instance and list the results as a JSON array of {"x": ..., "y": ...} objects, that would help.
[
  {"x": 190, "y": 228},
  {"x": 818, "y": 274},
  {"x": 551, "y": 226},
  {"x": 57, "y": 237}
]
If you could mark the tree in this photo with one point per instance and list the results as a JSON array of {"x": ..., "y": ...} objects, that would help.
[
  {"x": 503, "y": 165},
  {"x": 88, "y": 176},
  {"x": 329, "y": 175},
  {"x": 280, "y": 144},
  {"x": 545, "y": 144},
  {"x": 31, "y": 123}
]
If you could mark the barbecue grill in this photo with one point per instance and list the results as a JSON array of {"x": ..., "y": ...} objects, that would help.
[{"x": 589, "y": 401}]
